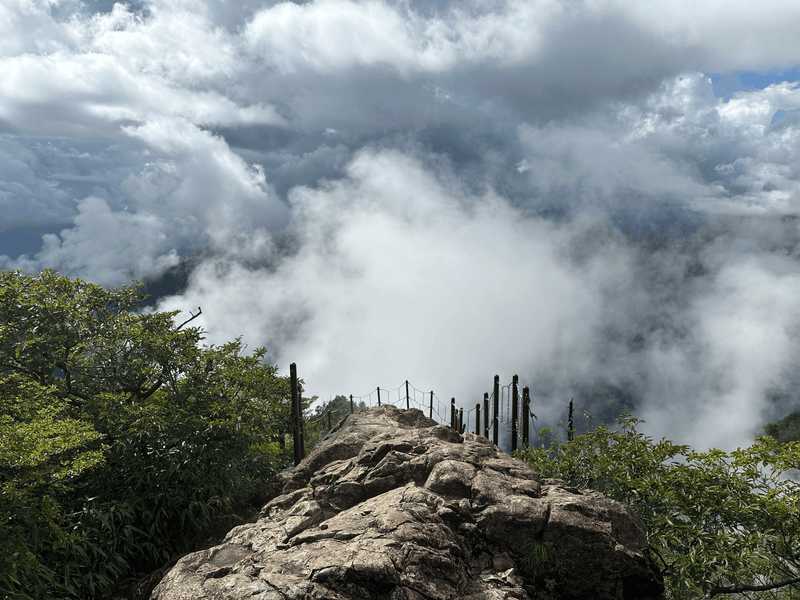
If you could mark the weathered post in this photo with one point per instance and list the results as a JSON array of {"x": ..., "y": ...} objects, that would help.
[
  {"x": 460, "y": 420},
  {"x": 379, "y": 395},
  {"x": 452, "y": 413},
  {"x": 496, "y": 407},
  {"x": 351, "y": 404},
  {"x": 514, "y": 411},
  {"x": 295, "y": 413},
  {"x": 407, "y": 405},
  {"x": 526, "y": 407},
  {"x": 478, "y": 418},
  {"x": 431, "y": 415},
  {"x": 570, "y": 430},
  {"x": 486, "y": 415}
]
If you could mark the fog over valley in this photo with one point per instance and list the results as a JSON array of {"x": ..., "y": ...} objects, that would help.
[{"x": 602, "y": 197}]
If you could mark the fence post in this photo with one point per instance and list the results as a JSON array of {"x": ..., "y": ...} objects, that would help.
[
  {"x": 526, "y": 407},
  {"x": 351, "y": 404},
  {"x": 514, "y": 411},
  {"x": 486, "y": 415},
  {"x": 570, "y": 430},
  {"x": 496, "y": 407},
  {"x": 295, "y": 411},
  {"x": 478, "y": 418},
  {"x": 379, "y": 395},
  {"x": 452, "y": 413},
  {"x": 407, "y": 405},
  {"x": 431, "y": 415},
  {"x": 460, "y": 420},
  {"x": 329, "y": 421}
]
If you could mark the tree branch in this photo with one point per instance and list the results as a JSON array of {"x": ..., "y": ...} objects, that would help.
[
  {"x": 750, "y": 588},
  {"x": 666, "y": 566},
  {"x": 152, "y": 390},
  {"x": 199, "y": 312}
]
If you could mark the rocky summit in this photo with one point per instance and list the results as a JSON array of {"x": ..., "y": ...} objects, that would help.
[{"x": 394, "y": 506}]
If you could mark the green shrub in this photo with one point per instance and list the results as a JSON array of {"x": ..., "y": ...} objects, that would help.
[
  {"x": 144, "y": 435},
  {"x": 713, "y": 519}
]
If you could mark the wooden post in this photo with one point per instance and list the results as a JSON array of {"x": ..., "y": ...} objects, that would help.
[
  {"x": 431, "y": 415},
  {"x": 478, "y": 418},
  {"x": 351, "y": 404},
  {"x": 514, "y": 411},
  {"x": 329, "y": 421},
  {"x": 570, "y": 430},
  {"x": 407, "y": 405},
  {"x": 452, "y": 413},
  {"x": 295, "y": 413},
  {"x": 486, "y": 415},
  {"x": 460, "y": 420},
  {"x": 496, "y": 417},
  {"x": 526, "y": 407},
  {"x": 379, "y": 395}
]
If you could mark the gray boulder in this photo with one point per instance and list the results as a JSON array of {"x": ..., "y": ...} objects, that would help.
[{"x": 393, "y": 506}]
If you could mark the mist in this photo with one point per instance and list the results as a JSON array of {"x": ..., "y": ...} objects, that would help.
[{"x": 600, "y": 198}]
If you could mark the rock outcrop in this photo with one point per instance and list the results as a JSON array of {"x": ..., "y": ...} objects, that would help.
[{"x": 394, "y": 506}]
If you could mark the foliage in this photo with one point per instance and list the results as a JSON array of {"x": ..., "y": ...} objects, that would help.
[
  {"x": 41, "y": 453},
  {"x": 786, "y": 429},
  {"x": 541, "y": 564},
  {"x": 327, "y": 416},
  {"x": 713, "y": 518},
  {"x": 125, "y": 436}
]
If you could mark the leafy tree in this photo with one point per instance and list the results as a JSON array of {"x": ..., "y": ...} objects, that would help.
[
  {"x": 786, "y": 429},
  {"x": 41, "y": 453},
  {"x": 158, "y": 434},
  {"x": 718, "y": 522}
]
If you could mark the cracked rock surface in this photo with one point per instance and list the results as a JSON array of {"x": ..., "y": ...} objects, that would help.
[{"x": 393, "y": 506}]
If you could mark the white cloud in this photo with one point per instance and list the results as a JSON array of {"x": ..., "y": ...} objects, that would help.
[
  {"x": 201, "y": 184},
  {"x": 751, "y": 321},
  {"x": 122, "y": 237},
  {"x": 416, "y": 145},
  {"x": 727, "y": 35},
  {"x": 396, "y": 279},
  {"x": 680, "y": 143}
]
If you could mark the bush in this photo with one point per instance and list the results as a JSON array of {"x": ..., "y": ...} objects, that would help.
[
  {"x": 713, "y": 519},
  {"x": 123, "y": 437}
]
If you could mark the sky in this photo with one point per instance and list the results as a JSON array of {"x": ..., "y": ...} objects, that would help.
[{"x": 601, "y": 196}]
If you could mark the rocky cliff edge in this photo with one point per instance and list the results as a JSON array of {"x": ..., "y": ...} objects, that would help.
[{"x": 393, "y": 506}]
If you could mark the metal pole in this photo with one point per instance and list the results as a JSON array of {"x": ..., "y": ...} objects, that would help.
[
  {"x": 431, "y": 415},
  {"x": 460, "y": 420},
  {"x": 379, "y": 395},
  {"x": 407, "y": 405},
  {"x": 478, "y": 418},
  {"x": 351, "y": 404},
  {"x": 452, "y": 413}
]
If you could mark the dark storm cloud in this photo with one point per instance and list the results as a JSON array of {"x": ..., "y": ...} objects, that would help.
[{"x": 585, "y": 64}]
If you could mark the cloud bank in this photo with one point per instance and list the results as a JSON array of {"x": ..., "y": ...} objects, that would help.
[{"x": 433, "y": 191}]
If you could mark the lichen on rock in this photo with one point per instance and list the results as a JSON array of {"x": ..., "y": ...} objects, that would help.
[{"x": 393, "y": 506}]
